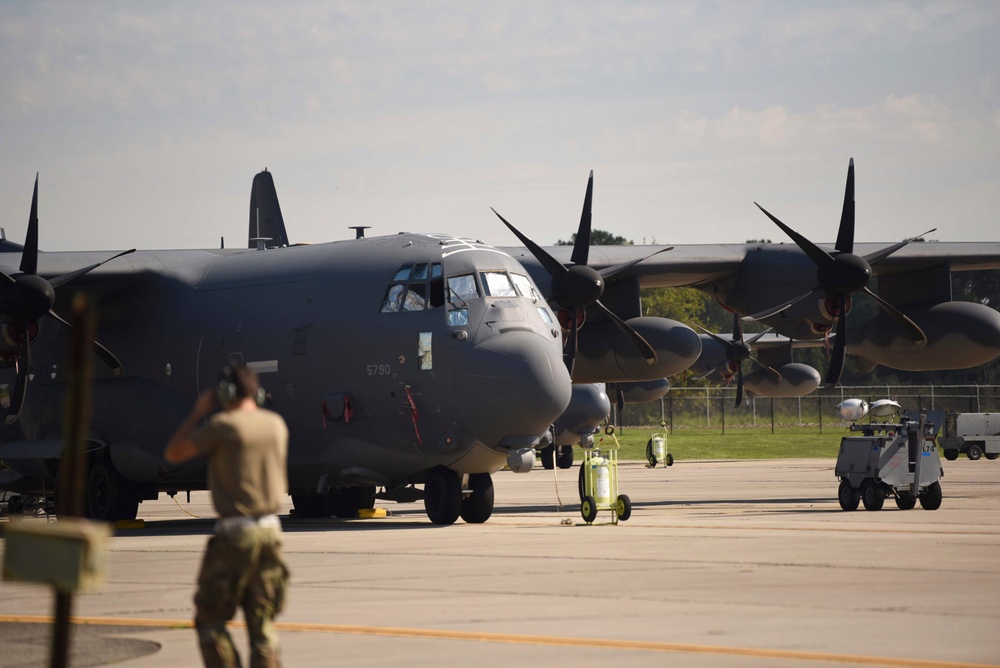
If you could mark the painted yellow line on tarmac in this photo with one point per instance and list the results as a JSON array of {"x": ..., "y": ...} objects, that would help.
[{"x": 515, "y": 639}]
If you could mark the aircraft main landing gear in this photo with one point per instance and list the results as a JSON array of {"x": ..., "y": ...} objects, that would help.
[{"x": 443, "y": 496}]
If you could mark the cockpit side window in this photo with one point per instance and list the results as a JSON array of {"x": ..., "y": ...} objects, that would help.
[
  {"x": 415, "y": 287},
  {"x": 461, "y": 289},
  {"x": 525, "y": 287}
]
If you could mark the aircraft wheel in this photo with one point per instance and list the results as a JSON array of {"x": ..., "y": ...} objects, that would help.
[
  {"x": 931, "y": 498},
  {"x": 478, "y": 506},
  {"x": 848, "y": 496},
  {"x": 352, "y": 499},
  {"x": 313, "y": 506},
  {"x": 951, "y": 454},
  {"x": 974, "y": 452},
  {"x": 872, "y": 495},
  {"x": 588, "y": 508},
  {"x": 547, "y": 455},
  {"x": 110, "y": 497},
  {"x": 15, "y": 506},
  {"x": 991, "y": 455},
  {"x": 624, "y": 507},
  {"x": 906, "y": 502},
  {"x": 443, "y": 496},
  {"x": 564, "y": 456}
]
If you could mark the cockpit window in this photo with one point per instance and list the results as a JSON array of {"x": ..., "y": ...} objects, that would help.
[
  {"x": 415, "y": 287},
  {"x": 497, "y": 284}
]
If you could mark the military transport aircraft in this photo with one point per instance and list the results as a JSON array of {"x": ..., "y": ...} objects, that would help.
[{"x": 421, "y": 359}]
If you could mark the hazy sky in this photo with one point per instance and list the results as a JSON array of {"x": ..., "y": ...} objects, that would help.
[{"x": 148, "y": 120}]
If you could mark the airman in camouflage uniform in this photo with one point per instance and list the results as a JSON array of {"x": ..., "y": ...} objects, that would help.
[{"x": 246, "y": 447}]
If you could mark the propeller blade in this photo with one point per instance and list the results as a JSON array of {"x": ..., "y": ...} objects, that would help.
[
  {"x": 739, "y": 386},
  {"x": 641, "y": 344},
  {"x": 106, "y": 355},
  {"x": 817, "y": 254},
  {"x": 21, "y": 386},
  {"x": 552, "y": 265},
  {"x": 766, "y": 367},
  {"x": 912, "y": 329},
  {"x": 839, "y": 350},
  {"x": 737, "y": 328},
  {"x": 29, "y": 255},
  {"x": 756, "y": 337},
  {"x": 845, "y": 234},
  {"x": 620, "y": 397},
  {"x": 708, "y": 373},
  {"x": 569, "y": 354},
  {"x": 774, "y": 310},
  {"x": 715, "y": 337},
  {"x": 73, "y": 275},
  {"x": 611, "y": 272},
  {"x": 581, "y": 248},
  {"x": 880, "y": 255}
]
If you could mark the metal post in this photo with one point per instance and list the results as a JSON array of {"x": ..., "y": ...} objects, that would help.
[
  {"x": 72, "y": 465},
  {"x": 722, "y": 411},
  {"x": 708, "y": 411},
  {"x": 819, "y": 403},
  {"x": 772, "y": 415}
]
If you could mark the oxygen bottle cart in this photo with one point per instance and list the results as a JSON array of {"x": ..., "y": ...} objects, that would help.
[
  {"x": 656, "y": 450},
  {"x": 599, "y": 484}
]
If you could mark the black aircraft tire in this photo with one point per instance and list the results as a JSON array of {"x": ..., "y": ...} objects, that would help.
[
  {"x": 353, "y": 499},
  {"x": 974, "y": 452},
  {"x": 951, "y": 454},
  {"x": 478, "y": 506},
  {"x": 443, "y": 496},
  {"x": 991, "y": 455},
  {"x": 548, "y": 457},
  {"x": 564, "y": 456},
  {"x": 848, "y": 497},
  {"x": 313, "y": 506},
  {"x": 110, "y": 497},
  {"x": 624, "y": 507},
  {"x": 931, "y": 498},
  {"x": 588, "y": 508},
  {"x": 872, "y": 495},
  {"x": 906, "y": 502}
]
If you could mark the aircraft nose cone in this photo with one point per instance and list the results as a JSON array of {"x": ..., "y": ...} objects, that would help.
[{"x": 510, "y": 385}]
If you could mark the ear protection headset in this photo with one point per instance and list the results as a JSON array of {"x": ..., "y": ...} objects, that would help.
[{"x": 227, "y": 392}]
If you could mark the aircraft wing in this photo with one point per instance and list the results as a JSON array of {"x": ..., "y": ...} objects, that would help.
[{"x": 696, "y": 264}]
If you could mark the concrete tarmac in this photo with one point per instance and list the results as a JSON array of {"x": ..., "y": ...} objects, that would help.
[{"x": 723, "y": 563}]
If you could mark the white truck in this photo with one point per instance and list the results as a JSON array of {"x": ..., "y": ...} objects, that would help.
[{"x": 975, "y": 434}]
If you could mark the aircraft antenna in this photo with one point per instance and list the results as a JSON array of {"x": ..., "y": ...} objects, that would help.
[{"x": 359, "y": 230}]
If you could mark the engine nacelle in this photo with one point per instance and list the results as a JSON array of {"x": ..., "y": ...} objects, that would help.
[
  {"x": 959, "y": 335},
  {"x": 797, "y": 380},
  {"x": 606, "y": 354},
  {"x": 644, "y": 391},
  {"x": 588, "y": 407}
]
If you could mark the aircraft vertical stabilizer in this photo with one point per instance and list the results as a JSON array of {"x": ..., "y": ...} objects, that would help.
[{"x": 267, "y": 227}]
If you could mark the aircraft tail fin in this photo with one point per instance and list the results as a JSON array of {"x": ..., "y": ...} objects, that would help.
[{"x": 267, "y": 227}]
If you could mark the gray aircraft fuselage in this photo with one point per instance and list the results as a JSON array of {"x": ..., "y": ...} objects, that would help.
[{"x": 454, "y": 366}]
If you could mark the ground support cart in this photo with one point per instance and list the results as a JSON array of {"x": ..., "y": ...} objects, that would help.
[
  {"x": 890, "y": 460},
  {"x": 599, "y": 486},
  {"x": 656, "y": 450}
]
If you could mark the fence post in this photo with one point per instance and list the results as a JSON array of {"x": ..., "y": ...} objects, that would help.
[
  {"x": 772, "y": 415},
  {"x": 708, "y": 409}
]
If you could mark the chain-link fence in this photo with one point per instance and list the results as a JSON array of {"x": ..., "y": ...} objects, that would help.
[{"x": 714, "y": 407}]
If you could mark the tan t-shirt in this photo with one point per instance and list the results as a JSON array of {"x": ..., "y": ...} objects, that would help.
[{"x": 247, "y": 452}]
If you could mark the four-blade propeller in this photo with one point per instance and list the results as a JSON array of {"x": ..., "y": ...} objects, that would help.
[
  {"x": 839, "y": 275},
  {"x": 737, "y": 350},
  {"x": 577, "y": 286},
  {"x": 25, "y": 297}
]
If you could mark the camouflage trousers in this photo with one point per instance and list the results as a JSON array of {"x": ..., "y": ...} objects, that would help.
[{"x": 242, "y": 567}]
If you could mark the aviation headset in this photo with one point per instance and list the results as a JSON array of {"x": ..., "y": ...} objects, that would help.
[{"x": 227, "y": 392}]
